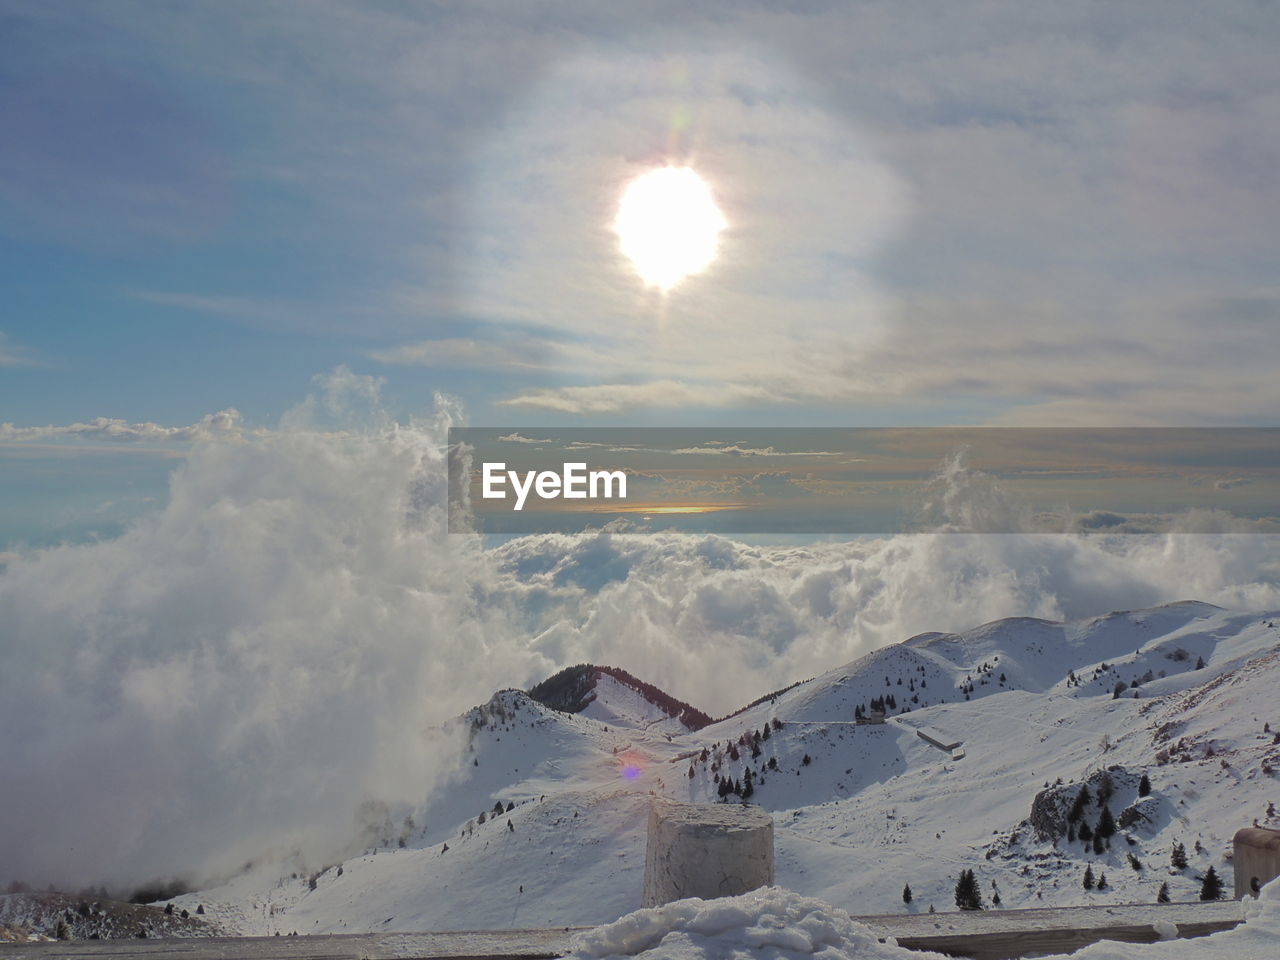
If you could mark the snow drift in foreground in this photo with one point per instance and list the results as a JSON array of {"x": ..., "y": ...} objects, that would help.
[
  {"x": 771, "y": 923},
  {"x": 776, "y": 924}
]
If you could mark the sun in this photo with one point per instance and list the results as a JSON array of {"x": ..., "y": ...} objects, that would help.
[{"x": 668, "y": 225}]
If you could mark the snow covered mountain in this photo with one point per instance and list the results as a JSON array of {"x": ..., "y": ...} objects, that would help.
[
  {"x": 988, "y": 736},
  {"x": 616, "y": 697}
]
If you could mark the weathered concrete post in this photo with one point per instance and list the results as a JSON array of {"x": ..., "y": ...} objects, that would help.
[
  {"x": 1256, "y": 857},
  {"x": 706, "y": 850}
]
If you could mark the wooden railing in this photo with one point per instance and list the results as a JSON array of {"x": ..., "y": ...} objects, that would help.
[{"x": 983, "y": 935}]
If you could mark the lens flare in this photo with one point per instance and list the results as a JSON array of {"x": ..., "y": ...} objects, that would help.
[
  {"x": 668, "y": 225},
  {"x": 631, "y": 764}
]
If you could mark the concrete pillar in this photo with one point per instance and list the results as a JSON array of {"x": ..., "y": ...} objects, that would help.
[
  {"x": 706, "y": 850},
  {"x": 1256, "y": 858}
]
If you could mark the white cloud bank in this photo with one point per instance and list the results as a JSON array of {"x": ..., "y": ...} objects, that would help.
[{"x": 239, "y": 671}]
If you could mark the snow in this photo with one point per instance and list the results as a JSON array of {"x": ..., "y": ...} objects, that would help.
[
  {"x": 623, "y": 706},
  {"x": 776, "y": 924},
  {"x": 772, "y": 924},
  {"x": 876, "y": 807},
  {"x": 1258, "y": 938}
]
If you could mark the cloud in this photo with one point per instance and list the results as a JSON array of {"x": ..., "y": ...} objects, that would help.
[
  {"x": 737, "y": 450},
  {"x": 241, "y": 669},
  {"x": 617, "y": 398},
  {"x": 1021, "y": 225},
  {"x": 910, "y": 224},
  {"x": 1233, "y": 483},
  {"x": 468, "y": 353},
  {"x": 11, "y": 355},
  {"x": 224, "y": 423}
]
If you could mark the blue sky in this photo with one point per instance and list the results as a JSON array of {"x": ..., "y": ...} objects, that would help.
[{"x": 997, "y": 213}]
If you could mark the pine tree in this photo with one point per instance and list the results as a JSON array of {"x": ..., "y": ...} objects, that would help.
[
  {"x": 1178, "y": 858},
  {"x": 1077, "y": 808},
  {"x": 1106, "y": 823},
  {"x": 747, "y": 787},
  {"x": 1099, "y": 844},
  {"x": 1088, "y": 877},
  {"x": 1163, "y": 895},
  {"x": 1086, "y": 832},
  {"x": 1144, "y": 786},
  {"x": 1200, "y": 663},
  {"x": 806, "y": 760},
  {"x": 1106, "y": 787},
  {"x": 968, "y": 894},
  {"x": 1211, "y": 887},
  {"x": 1102, "y": 881},
  {"x": 906, "y": 894}
]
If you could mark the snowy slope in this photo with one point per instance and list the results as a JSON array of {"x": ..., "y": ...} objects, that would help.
[
  {"x": 874, "y": 807},
  {"x": 614, "y": 696}
]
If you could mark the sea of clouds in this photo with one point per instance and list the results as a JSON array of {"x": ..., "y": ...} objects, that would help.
[{"x": 239, "y": 672}]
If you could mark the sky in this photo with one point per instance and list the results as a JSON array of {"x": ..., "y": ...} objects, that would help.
[
  {"x": 257, "y": 258},
  {"x": 995, "y": 214},
  {"x": 999, "y": 212}
]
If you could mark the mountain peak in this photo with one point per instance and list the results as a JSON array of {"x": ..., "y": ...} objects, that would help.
[{"x": 615, "y": 696}]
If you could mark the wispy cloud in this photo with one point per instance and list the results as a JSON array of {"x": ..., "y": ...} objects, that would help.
[
  {"x": 468, "y": 353},
  {"x": 615, "y": 398},
  {"x": 12, "y": 355},
  {"x": 920, "y": 211},
  {"x": 737, "y": 450},
  {"x": 224, "y": 423}
]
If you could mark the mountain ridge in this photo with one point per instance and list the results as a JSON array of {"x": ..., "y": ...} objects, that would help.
[
  {"x": 543, "y": 823},
  {"x": 574, "y": 689}
]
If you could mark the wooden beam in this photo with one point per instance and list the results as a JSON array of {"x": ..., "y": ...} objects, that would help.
[
  {"x": 1004, "y": 934},
  {"x": 980, "y": 935}
]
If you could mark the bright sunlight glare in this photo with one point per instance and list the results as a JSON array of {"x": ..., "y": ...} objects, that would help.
[{"x": 668, "y": 225}]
